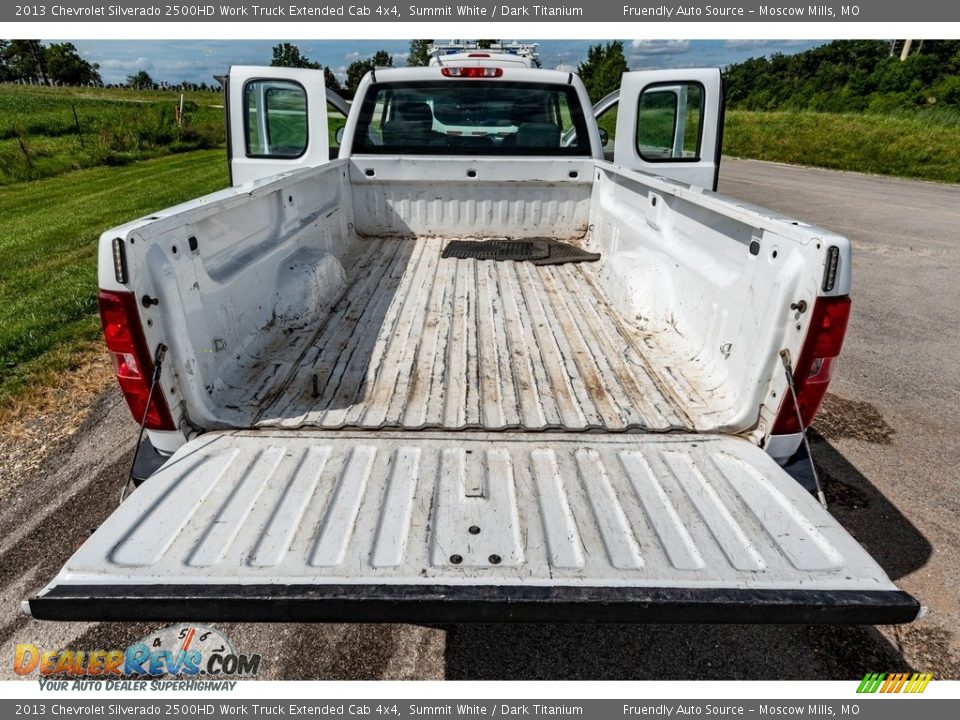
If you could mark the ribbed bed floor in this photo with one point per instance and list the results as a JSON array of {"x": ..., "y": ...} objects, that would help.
[{"x": 423, "y": 342}]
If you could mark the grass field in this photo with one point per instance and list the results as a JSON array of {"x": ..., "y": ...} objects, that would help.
[
  {"x": 46, "y": 131},
  {"x": 48, "y": 243},
  {"x": 922, "y": 145},
  {"x": 64, "y": 179}
]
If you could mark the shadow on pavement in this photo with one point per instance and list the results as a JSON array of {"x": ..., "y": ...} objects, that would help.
[{"x": 680, "y": 652}]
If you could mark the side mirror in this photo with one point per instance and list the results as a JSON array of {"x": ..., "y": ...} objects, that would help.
[
  {"x": 604, "y": 136},
  {"x": 339, "y": 135}
]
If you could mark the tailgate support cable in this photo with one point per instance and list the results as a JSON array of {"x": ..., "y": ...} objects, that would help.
[
  {"x": 785, "y": 357},
  {"x": 157, "y": 365}
]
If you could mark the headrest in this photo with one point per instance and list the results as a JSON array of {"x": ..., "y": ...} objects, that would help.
[
  {"x": 524, "y": 113},
  {"x": 413, "y": 112}
]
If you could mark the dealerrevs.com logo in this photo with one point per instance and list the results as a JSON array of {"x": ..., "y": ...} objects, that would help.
[
  {"x": 181, "y": 651},
  {"x": 894, "y": 683}
]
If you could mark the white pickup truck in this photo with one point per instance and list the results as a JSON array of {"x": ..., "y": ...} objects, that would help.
[{"x": 384, "y": 392}]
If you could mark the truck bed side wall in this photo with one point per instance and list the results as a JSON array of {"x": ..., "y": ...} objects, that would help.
[
  {"x": 263, "y": 257},
  {"x": 715, "y": 276}
]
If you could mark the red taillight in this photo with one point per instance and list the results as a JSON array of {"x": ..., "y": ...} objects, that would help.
[
  {"x": 812, "y": 371},
  {"x": 479, "y": 55},
  {"x": 472, "y": 72},
  {"x": 131, "y": 358}
]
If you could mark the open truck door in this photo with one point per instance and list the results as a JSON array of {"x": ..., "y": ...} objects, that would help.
[
  {"x": 669, "y": 123},
  {"x": 418, "y": 527},
  {"x": 277, "y": 121}
]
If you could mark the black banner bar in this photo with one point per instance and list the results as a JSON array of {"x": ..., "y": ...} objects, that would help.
[
  {"x": 215, "y": 703},
  {"x": 480, "y": 11}
]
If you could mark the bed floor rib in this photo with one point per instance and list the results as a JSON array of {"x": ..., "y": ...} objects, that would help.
[{"x": 423, "y": 342}]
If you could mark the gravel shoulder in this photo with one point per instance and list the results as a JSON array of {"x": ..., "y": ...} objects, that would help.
[{"x": 886, "y": 444}]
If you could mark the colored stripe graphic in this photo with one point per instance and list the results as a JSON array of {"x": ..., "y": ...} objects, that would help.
[
  {"x": 894, "y": 682},
  {"x": 871, "y": 682}
]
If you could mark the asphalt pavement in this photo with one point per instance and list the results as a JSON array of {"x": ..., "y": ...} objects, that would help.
[{"x": 886, "y": 443}]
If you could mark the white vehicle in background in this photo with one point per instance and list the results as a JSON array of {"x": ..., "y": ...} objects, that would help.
[
  {"x": 496, "y": 379},
  {"x": 470, "y": 53}
]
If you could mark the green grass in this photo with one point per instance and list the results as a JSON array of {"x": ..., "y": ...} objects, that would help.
[
  {"x": 57, "y": 195},
  {"x": 46, "y": 131},
  {"x": 916, "y": 145},
  {"x": 48, "y": 246},
  {"x": 923, "y": 145}
]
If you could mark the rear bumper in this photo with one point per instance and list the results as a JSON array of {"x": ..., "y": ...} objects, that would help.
[{"x": 471, "y": 603}]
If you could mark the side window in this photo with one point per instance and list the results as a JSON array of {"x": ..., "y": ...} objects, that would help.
[
  {"x": 670, "y": 122},
  {"x": 276, "y": 118},
  {"x": 336, "y": 120},
  {"x": 565, "y": 117},
  {"x": 607, "y": 122}
]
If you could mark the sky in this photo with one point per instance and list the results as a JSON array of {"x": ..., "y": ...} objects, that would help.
[{"x": 199, "y": 60}]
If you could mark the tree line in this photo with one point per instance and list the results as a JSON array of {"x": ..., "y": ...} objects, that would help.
[
  {"x": 30, "y": 61},
  {"x": 849, "y": 76},
  {"x": 600, "y": 72},
  {"x": 841, "y": 76},
  {"x": 54, "y": 64},
  {"x": 289, "y": 55}
]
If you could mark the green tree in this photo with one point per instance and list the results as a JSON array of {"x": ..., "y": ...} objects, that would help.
[
  {"x": 418, "y": 56},
  {"x": 65, "y": 65},
  {"x": 288, "y": 55},
  {"x": 141, "y": 80},
  {"x": 485, "y": 44},
  {"x": 26, "y": 60},
  {"x": 381, "y": 58},
  {"x": 5, "y": 75},
  {"x": 847, "y": 76},
  {"x": 331, "y": 81},
  {"x": 358, "y": 68},
  {"x": 355, "y": 72},
  {"x": 602, "y": 71}
]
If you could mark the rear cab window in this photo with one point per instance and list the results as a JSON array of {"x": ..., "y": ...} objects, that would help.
[{"x": 471, "y": 117}]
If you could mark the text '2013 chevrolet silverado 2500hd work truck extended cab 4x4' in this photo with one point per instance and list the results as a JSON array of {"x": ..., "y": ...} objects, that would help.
[{"x": 470, "y": 370}]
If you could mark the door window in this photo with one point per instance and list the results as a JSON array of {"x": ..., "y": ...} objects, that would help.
[
  {"x": 275, "y": 112},
  {"x": 670, "y": 122}
]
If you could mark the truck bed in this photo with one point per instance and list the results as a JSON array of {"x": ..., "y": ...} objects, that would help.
[{"x": 416, "y": 341}]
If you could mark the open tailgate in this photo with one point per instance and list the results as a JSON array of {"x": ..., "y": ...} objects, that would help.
[{"x": 360, "y": 526}]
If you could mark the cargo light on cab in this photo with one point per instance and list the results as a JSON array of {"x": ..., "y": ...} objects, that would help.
[{"x": 472, "y": 72}]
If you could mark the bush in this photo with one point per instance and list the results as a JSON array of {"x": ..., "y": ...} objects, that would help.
[{"x": 45, "y": 131}]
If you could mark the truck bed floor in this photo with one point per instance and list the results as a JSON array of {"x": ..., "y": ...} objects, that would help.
[{"x": 418, "y": 341}]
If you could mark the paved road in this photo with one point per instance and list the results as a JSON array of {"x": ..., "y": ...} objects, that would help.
[{"x": 887, "y": 446}]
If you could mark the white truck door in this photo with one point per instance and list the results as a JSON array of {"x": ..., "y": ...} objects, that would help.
[
  {"x": 276, "y": 121},
  {"x": 670, "y": 123}
]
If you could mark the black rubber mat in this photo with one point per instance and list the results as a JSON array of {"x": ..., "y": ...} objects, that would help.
[
  {"x": 561, "y": 252},
  {"x": 518, "y": 250},
  {"x": 538, "y": 251}
]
